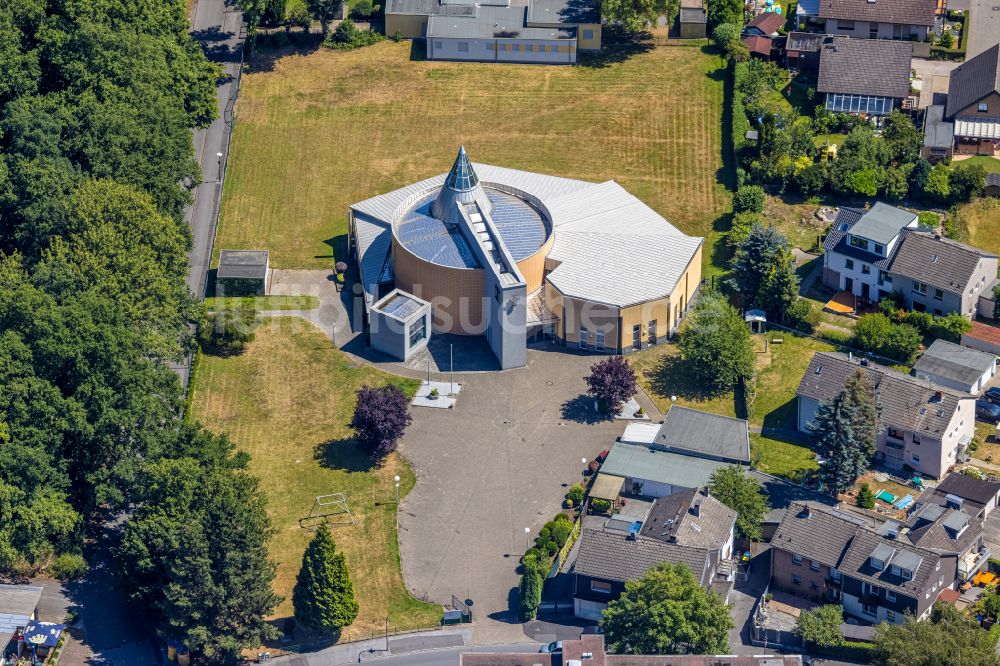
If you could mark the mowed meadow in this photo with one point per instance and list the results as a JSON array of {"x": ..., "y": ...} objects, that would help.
[{"x": 317, "y": 131}]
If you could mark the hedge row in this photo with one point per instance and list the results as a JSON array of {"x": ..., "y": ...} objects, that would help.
[{"x": 740, "y": 123}]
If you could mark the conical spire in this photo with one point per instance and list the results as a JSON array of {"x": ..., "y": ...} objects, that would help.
[
  {"x": 461, "y": 186},
  {"x": 462, "y": 176}
]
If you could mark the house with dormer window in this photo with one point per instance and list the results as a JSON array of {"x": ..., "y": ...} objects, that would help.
[{"x": 873, "y": 253}]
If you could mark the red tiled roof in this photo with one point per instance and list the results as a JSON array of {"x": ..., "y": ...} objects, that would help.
[
  {"x": 985, "y": 332},
  {"x": 767, "y": 22},
  {"x": 760, "y": 45}
]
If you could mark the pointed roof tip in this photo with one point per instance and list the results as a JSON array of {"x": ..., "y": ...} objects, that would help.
[{"x": 462, "y": 176}]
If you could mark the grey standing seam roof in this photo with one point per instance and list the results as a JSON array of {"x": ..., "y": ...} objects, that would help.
[
  {"x": 906, "y": 402},
  {"x": 939, "y": 262},
  {"x": 17, "y": 605},
  {"x": 610, "y": 555},
  {"x": 636, "y": 461},
  {"x": 974, "y": 79},
  {"x": 882, "y": 223},
  {"x": 821, "y": 535},
  {"x": 567, "y": 12},
  {"x": 910, "y": 12},
  {"x": 877, "y": 67},
  {"x": 938, "y": 133},
  {"x": 251, "y": 264},
  {"x": 703, "y": 433},
  {"x": 962, "y": 364},
  {"x": 837, "y": 241},
  {"x": 492, "y": 23},
  {"x": 993, "y": 180}
]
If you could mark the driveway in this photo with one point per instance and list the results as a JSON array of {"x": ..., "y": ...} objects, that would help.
[
  {"x": 934, "y": 75},
  {"x": 984, "y": 26},
  {"x": 498, "y": 462},
  {"x": 743, "y": 598}
]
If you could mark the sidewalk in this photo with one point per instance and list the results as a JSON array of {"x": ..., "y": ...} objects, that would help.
[{"x": 352, "y": 653}]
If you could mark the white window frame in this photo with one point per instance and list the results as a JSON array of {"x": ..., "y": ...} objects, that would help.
[
  {"x": 583, "y": 338},
  {"x": 599, "y": 341}
]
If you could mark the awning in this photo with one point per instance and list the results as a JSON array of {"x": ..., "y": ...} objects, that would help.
[
  {"x": 980, "y": 129},
  {"x": 607, "y": 486},
  {"x": 43, "y": 633}
]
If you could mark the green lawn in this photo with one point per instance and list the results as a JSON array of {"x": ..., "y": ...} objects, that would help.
[
  {"x": 821, "y": 140},
  {"x": 991, "y": 164},
  {"x": 783, "y": 459},
  {"x": 662, "y": 374},
  {"x": 318, "y": 131},
  {"x": 287, "y": 402},
  {"x": 264, "y": 302}
]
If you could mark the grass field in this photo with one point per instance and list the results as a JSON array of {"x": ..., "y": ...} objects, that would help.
[
  {"x": 982, "y": 220},
  {"x": 318, "y": 131},
  {"x": 991, "y": 164},
  {"x": 784, "y": 459},
  {"x": 287, "y": 401},
  {"x": 305, "y": 302}
]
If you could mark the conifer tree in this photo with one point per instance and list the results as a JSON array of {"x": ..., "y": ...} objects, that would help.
[
  {"x": 847, "y": 427},
  {"x": 323, "y": 598}
]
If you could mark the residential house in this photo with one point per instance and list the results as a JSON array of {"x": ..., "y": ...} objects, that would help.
[
  {"x": 688, "y": 527},
  {"x": 765, "y": 24},
  {"x": 976, "y": 497},
  {"x": 589, "y": 649},
  {"x": 922, "y": 426},
  {"x": 974, "y": 104},
  {"x": 525, "y": 31},
  {"x": 781, "y": 494},
  {"x": 878, "y": 19},
  {"x": 868, "y": 77},
  {"x": 879, "y": 572},
  {"x": 860, "y": 246},
  {"x": 18, "y": 607},
  {"x": 693, "y": 20},
  {"x": 876, "y": 252},
  {"x": 957, "y": 367},
  {"x": 802, "y": 51}
]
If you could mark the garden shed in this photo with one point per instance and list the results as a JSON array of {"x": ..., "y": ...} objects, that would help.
[{"x": 243, "y": 273}]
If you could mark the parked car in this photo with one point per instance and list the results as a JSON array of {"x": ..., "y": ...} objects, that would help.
[
  {"x": 992, "y": 394},
  {"x": 987, "y": 411},
  {"x": 555, "y": 647}
]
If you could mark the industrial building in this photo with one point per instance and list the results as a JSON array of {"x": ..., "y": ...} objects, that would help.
[{"x": 514, "y": 256}]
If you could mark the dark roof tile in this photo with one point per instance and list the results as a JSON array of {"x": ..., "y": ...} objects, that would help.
[
  {"x": 909, "y": 12},
  {"x": 877, "y": 67},
  {"x": 973, "y": 80}
]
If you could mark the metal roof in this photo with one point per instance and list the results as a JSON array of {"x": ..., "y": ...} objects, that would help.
[
  {"x": 636, "y": 461},
  {"x": 951, "y": 361},
  {"x": 640, "y": 433},
  {"x": 882, "y": 223},
  {"x": 250, "y": 264},
  {"x": 400, "y": 305},
  {"x": 705, "y": 434},
  {"x": 937, "y": 132},
  {"x": 492, "y": 23},
  {"x": 17, "y": 606},
  {"x": 607, "y": 486},
  {"x": 566, "y": 12}
]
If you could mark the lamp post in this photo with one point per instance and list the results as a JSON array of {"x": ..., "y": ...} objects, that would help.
[
  {"x": 219, "y": 156},
  {"x": 396, "y": 479},
  {"x": 583, "y": 461},
  {"x": 527, "y": 531}
]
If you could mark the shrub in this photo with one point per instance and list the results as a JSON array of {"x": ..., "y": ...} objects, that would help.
[
  {"x": 599, "y": 505},
  {"x": 801, "y": 316},
  {"x": 551, "y": 547},
  {"x": 866, "y": 498},
  {"x": 363, "y": 10},
  {"x": 348, "y": 36},
  {"x": 739, "y": 231},
  {"x": 543, "y": 535},
  {"x": 575, "y": 493},
  {"x": 922, "y": 321},
  {"x": 568, "y": 504},
  {"x": 228, "y": 331},
  {"x": 950, "y": 327},
  {"x": 929, "y": 219},
  {"x": 749, "y": 198},
  {"x": 562, "y": 518},
  {"x": 531, "y": 595},
  {"x": 902, "y": 344},
  {"x": 68, "y": 566},
  {"x": 561, "y": 533}
]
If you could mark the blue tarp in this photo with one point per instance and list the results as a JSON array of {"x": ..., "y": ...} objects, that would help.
[
  {"x": 905, "y": 502},
  {"x": 43, "y": 633}
]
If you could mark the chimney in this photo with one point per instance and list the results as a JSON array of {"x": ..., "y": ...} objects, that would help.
[
  {"x": 937, "y": 397},
  {"x": 806, "y": 511},
  {"x": 696, "y": 507}
]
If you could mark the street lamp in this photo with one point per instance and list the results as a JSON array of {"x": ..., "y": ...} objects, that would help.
[
  {"x": 527, "y": 531},
  {"x": 583, "y": 461},
  {"x": 219, "y": 156},
  {"x": 396, "y": 479}
]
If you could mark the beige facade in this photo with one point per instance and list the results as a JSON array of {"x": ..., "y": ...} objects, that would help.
[
  {"x": 456, "y": 294},
  {"x": 409, "y": 26},
  {"x": 533, "y": 268},
  {"x": 591, "y": 43}
]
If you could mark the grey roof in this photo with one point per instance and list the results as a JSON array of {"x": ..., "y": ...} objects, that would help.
[
  {"x": 962, "y": 364},
  {"x": 636, "y": 461},
  {"x": 492, "y": 23},
  {"x": 974, "y": 79},
  {"x": 672, "y": 519},
  {"x": 400, "y": 305},
  {"x": 920, "y": 561},
  {"x": 910, "y": 12},
  {"x": 938, "y": 133},
  {"x": 17, "y": 606},
  {"x": 805, "y": 41},
  {"x": 993, "y": 180},
  {"x": 427, "y": 8},
  {"x": 906, "y": 402},
  {"x": 883, "y": 552},
  {"x": 705, "y": 434},
  {"x": 937, "y": 261},
  {"x": 566, "y": 12},
  {"x": 837, "y": 240},
  {"x": 821, "y": 534},
  {"x": 969, "y": 488},
  {"x": 877, "y": 67},
  {"x": 693, "y": 15},
  {"x": 250, "y": 264},
  {"x": 611, "y": 555},
  {"x": 781, "y": 493},
  {"x": 882, "y": 223}
]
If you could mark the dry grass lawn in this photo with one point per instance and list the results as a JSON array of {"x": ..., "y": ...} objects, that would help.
[
  {"x": 287, "y": 401},
  {"x": 317, "y": 131},
  {"x": 982, "y": 220}
]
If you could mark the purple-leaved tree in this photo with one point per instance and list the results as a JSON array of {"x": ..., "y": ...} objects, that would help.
[
  {"x": 612, "y": 383},
  {"x": 380, "y": 419}
]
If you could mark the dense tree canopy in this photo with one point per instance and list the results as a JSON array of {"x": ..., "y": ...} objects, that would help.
[
  {"x": 847, "y": 428},
  {"x": 612, "y": 382},
  {"x": 948, "y": 639},
  {"x": 715, "y": 343},
  {"x": 743, "y": 494},
  {"x": 667, "y": 611}
]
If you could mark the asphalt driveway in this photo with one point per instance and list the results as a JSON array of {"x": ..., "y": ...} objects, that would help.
[{"x": 498, "y": 462}]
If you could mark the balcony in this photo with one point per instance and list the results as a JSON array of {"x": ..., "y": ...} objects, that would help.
[{"x": 970, "y": 563}]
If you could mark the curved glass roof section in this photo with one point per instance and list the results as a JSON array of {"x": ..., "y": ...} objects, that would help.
[
  {"x": 522, "y": 229},
  {"x": 462, "y": 176}
]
